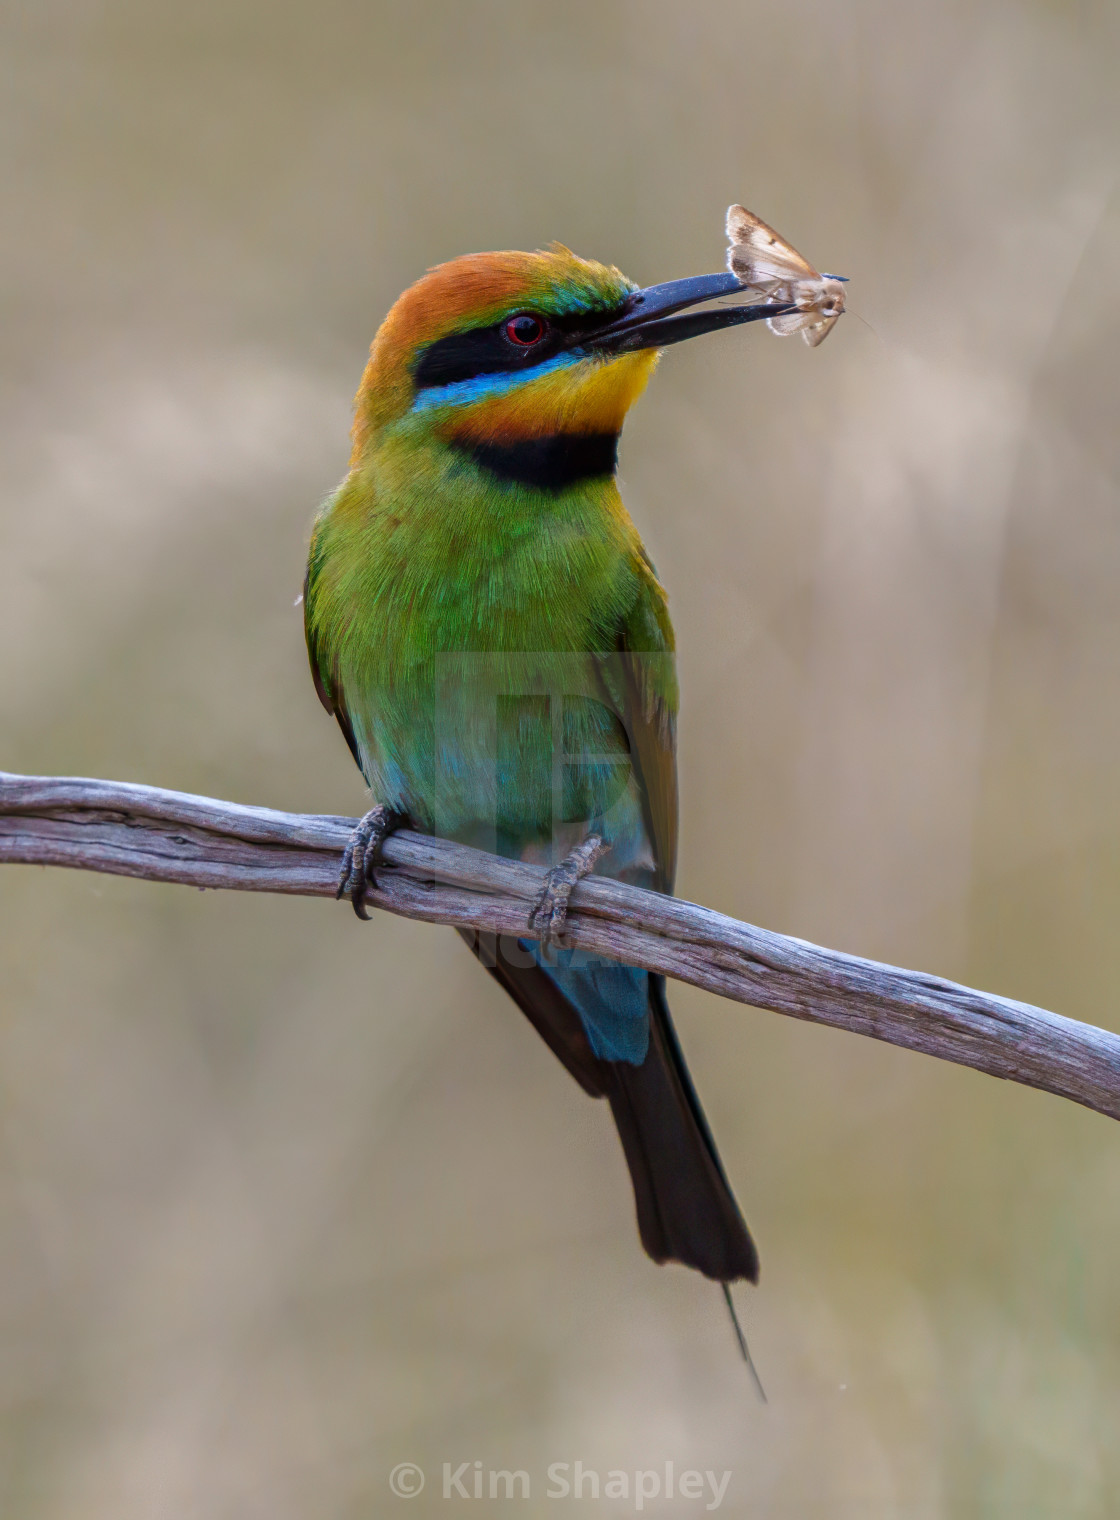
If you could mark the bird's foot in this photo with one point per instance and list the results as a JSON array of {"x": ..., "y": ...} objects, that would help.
[
  {"x": 550, "y": 911},
  {"x": 363, "y": 854}
]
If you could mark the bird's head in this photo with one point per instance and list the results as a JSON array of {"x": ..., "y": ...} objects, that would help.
[{"x": 512, "y": 351}]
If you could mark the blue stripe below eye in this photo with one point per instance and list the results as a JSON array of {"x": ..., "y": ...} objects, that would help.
[{"x": 483, "y": 387}]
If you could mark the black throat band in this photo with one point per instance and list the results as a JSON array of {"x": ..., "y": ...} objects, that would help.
[{"x": 549, "y": 464}]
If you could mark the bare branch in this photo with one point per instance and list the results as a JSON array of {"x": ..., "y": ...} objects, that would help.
[{"x": 170, "y": 836}]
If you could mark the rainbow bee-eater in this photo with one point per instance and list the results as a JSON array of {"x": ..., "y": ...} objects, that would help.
[{"x": 486, "y": 626}]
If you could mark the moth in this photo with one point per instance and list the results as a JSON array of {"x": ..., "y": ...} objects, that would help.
[{"x": 765, "y": 262}]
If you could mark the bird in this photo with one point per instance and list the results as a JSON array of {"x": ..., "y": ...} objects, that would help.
[{"x": 485, "y": 624}]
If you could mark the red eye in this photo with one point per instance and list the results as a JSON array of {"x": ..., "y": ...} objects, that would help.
[{"x": 526, "y": 329}]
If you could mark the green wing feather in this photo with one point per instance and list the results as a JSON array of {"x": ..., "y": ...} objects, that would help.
[
  {"x": 642, "y": 681},
  {"x": 324, "y": 670}
]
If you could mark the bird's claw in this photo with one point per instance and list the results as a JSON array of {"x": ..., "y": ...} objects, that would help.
[
  {"x": 550, "y": 911},
  {"x": 363, "y": 854}
]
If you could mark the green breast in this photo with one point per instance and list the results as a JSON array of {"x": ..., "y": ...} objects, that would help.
[{"x": 456, "y": 620}]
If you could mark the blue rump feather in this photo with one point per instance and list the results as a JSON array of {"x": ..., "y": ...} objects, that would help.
[{"x": 612, "y": 1000}]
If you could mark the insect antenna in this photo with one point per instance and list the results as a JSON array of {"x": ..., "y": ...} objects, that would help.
[{"x": 850, "y": 313}]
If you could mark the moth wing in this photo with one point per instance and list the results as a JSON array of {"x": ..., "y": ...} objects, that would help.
[
  {"x": 757, "y": 251},
  {"x": 816, "y": 332},
  {"x": 787, "y": 322}
]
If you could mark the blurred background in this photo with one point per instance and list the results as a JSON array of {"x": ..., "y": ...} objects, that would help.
[{"x": 286, "y": 1200}]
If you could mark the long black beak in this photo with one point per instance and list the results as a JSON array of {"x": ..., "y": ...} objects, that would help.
[{"x": 648, "y": 321}]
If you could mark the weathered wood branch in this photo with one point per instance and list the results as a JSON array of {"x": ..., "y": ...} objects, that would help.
[{"x": 170, "y": 836}]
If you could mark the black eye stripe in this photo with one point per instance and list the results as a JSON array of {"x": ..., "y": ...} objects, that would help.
[
  {"x": 487, "y": 351},
  {"x": 483, "y": 351}
]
